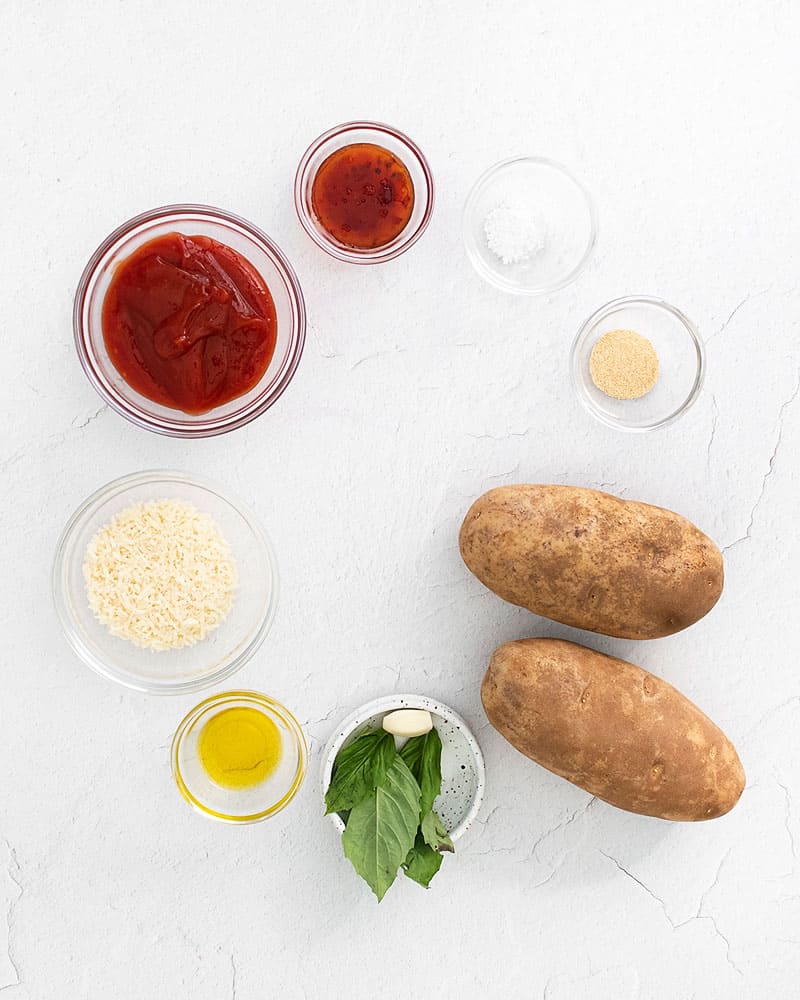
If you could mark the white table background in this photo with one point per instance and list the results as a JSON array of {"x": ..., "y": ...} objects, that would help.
[{"x": 420, "y": 388}]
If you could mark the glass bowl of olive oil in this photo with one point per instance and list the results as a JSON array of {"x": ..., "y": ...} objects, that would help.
[{"x": 239, "y": 757}]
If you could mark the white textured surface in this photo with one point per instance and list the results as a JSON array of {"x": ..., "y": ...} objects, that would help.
[{"x": 420, "y": 387}]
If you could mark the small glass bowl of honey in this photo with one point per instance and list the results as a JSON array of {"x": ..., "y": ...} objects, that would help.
[
  {"x": 239, "y": 757},
  {"x": 364, "y": 192}
]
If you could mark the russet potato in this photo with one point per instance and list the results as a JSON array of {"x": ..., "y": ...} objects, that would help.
[
  {"x": 591, "y": 560},
  {"x": 611, "y": 728}
]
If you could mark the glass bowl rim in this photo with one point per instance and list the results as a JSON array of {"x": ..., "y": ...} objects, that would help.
[
  {"x": 605, "y": 310},
  {"x": 208, "y": 426},
  {"x": 478, "y": 263},
  {"x": 100, "y": 665},
  {"x": 261, "y": 701},
  {"x": 378, "y": 255},
  {"x": 388, "y": 703}
]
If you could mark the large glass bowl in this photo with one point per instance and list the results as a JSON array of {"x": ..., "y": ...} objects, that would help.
[
  {"x": 227, "y": 648},
  {"x": 248, "y": 241}
]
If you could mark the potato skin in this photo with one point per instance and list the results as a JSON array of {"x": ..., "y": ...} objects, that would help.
[
  {"x": 611, "y": 728},
  {"x": 591, "y": 560}
]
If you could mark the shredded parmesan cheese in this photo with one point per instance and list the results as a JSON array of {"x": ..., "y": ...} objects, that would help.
[{"x": 160, "y": 575}]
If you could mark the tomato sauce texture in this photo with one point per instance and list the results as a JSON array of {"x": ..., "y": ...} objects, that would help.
[{"x": 189, "y": 323}]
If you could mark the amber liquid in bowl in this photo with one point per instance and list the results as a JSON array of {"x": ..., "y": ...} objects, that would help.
[{"x": 363, "y": 196}]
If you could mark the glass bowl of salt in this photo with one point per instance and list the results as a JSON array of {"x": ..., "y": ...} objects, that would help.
[{"x": 529, "y": 226}]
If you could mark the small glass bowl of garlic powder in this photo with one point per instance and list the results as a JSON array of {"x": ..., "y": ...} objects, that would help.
[
  {"x": 529, "y": 226},
  {"x": 637, "y": 363}
]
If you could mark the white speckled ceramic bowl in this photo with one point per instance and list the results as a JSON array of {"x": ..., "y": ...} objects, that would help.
[{"x": 463, "y": 773}]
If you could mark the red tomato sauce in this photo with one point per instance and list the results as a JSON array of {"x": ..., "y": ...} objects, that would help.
[
  {"x": 363, "y": 196},
  {"x": 188, "y": 322}
]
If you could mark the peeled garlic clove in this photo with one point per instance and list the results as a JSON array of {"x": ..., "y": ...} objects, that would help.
[{"x": 408, "y": 722}]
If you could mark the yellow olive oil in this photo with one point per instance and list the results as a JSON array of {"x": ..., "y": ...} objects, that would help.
[{"x": 240, "y": 747}]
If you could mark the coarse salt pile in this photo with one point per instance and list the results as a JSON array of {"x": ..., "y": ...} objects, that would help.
[
  {"x": 513, "y": 234},
  {"x": 160, "y": 575}
]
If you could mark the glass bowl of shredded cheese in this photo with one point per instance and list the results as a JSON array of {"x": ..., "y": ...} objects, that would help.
[
  {"x": 164, "y": 583},
  {"x": 637, "y": 363},
  {"x": 529, "y": 226}
]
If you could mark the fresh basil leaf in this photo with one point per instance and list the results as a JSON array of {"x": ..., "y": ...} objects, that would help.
[
  {"x": 423, "y": 754},
  {"x": 360, "y": 767},
  {"x": 434, "y": 833},
  {"x": 412, "y": 754},
  {"x": 422, "y": 862},
  {"x": 382, "y": 827}
]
